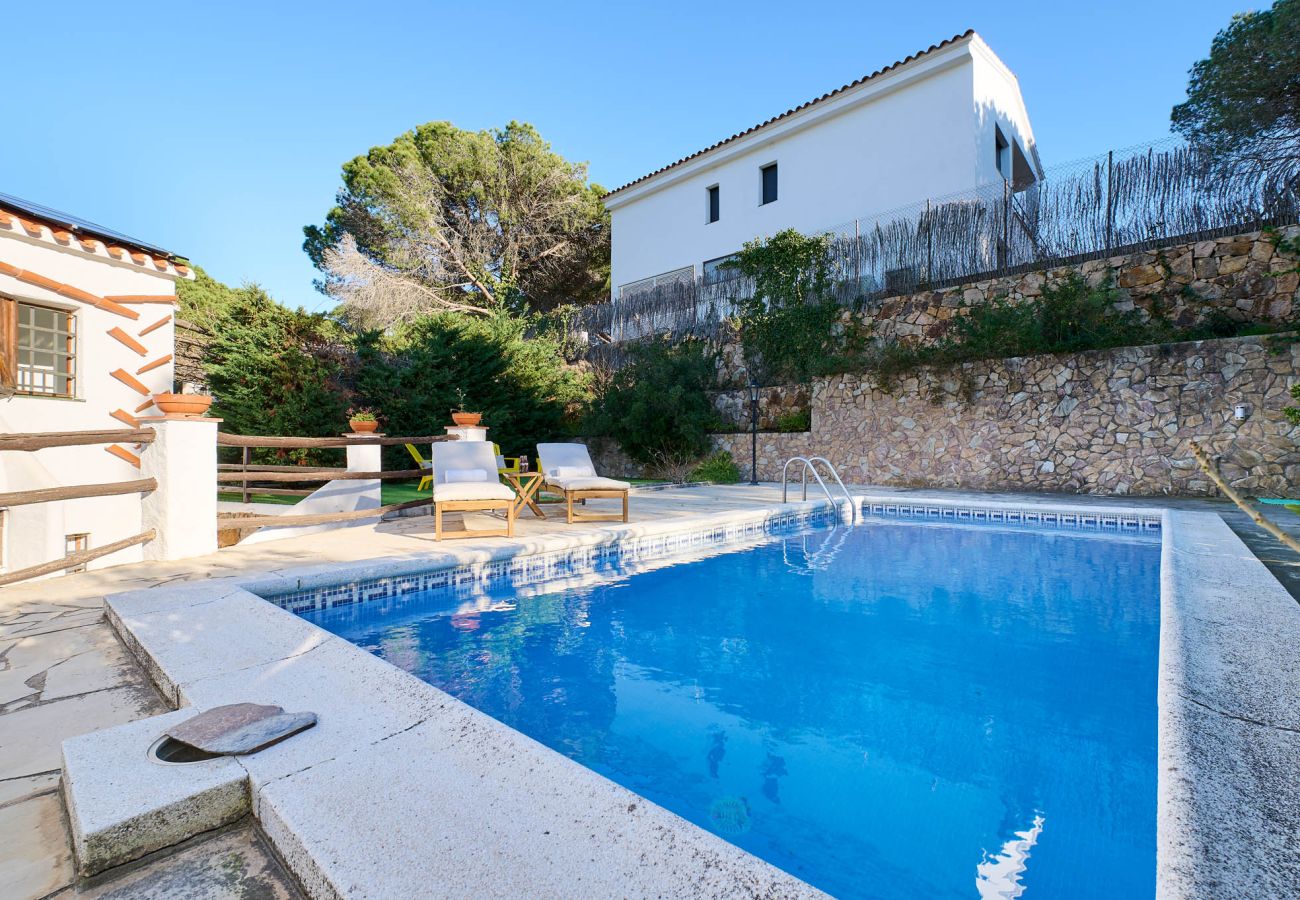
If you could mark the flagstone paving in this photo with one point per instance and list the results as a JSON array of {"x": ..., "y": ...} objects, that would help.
[{"x": 63, "y": 672}]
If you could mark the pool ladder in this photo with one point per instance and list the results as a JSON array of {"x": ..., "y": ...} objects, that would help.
[{"x": 809, "y": 464}]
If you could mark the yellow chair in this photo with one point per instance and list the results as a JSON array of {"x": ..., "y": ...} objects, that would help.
[
  {"x": 427, "y": 465},
  {"x": 507, "y": 464}
]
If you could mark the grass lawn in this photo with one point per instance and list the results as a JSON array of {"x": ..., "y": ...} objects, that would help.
[{"x": 391, "y": 492}]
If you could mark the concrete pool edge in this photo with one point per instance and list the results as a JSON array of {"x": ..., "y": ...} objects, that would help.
[
  {"x": 1228, "y": 707},
  {"x": 1208, "y": 753}
]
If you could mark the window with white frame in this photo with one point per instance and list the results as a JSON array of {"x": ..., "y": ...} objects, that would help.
[
  {"x": 38, "y": 348},
  {"x": 717, "y": 271},
  {"x": 715, "y": 204}
]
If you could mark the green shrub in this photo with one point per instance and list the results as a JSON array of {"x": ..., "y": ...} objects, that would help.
[
  {"x": 514, "y": 375},
  {"x": 793, "y": 422},
  {"x": 657, "y": 406},
  {"x": 718, "y": 468},
  {"x": 1070, "y": 316},
  {"x": 275, "y": 371}
]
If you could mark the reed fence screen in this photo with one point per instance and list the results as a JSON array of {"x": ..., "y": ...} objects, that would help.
[{"x": 1119, "y": 202}]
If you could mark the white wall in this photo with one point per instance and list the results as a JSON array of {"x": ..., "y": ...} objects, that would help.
[
  {"x": 913, "y": 133},
  {"x": 998, "y": 101},
  {"x": 35, "y": 533}
]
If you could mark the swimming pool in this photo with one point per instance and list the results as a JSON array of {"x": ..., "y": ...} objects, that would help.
[{"x": 901, "y": 708}]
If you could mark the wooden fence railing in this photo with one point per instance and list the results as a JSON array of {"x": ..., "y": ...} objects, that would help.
[
  {"x": 247, "y": 478},
  {"x": 293, "y": 443},
  {"x": 73, "y": 560},
  {"x": 43, "y": 440}
]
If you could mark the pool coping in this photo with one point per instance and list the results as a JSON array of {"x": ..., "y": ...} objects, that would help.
[{"x": 1228, "y": 807}]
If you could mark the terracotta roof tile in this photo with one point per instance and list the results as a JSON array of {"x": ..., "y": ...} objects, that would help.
[{"x": 789, "y": 112}]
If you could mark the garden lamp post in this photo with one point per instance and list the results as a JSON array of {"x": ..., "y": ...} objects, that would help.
[{"x": 753, "y": 431}]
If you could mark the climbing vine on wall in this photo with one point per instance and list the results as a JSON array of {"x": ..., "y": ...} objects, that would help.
[{"x": 792, "y": 328}]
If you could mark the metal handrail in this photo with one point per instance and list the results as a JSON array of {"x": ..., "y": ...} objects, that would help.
[{"x": 809, "y": 465}]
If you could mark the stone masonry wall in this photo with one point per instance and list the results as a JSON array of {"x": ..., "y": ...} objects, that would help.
[
  {"x": 1106, "y": 422},
  {"x": 1112, "y": 422},
  {"x": 1184, "y": 281},
  {"x": 773, "y": 403}
]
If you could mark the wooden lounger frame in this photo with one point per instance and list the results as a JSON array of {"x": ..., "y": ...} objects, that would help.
[
  {"x": 473, "y": 506},
  {"x": 581, "y": 494}
]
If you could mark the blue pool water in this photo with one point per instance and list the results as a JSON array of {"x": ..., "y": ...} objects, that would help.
[{"x": 899, "y": 709}]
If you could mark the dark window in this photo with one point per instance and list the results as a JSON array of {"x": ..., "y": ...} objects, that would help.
[
  {"x": 769, "y": 183},
  {"x": 1000, "y": 155},
  {"x": 714, "y": 204}
]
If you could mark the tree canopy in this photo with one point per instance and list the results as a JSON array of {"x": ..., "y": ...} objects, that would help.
[
  {"x": 464, "y": 221},
  {"x": 1243, "y": 100}
]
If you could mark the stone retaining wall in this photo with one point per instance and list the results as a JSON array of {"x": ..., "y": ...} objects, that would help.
[
  {"x": 1111, "y": 422},
  {"x": 773, "y": 404},
  {"x": 1106, "y": 422},
  {"x": 1184, "y": 282}
]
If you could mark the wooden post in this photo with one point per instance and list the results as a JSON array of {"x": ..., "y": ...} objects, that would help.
[
  {"x": 1110, "y": 194},
  {"x": 245, "y": 457}
]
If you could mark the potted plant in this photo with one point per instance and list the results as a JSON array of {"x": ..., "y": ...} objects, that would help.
[
  {"x": 182, "y": 404},
  {"x": 460, "y": 416},
  {"x": 363, "y": 420}
]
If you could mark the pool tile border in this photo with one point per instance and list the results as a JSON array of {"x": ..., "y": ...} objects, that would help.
[{"x": 530, "y": 568}]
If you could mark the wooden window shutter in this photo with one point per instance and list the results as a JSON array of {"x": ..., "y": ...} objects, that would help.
[{"x": 8, "y": 343}]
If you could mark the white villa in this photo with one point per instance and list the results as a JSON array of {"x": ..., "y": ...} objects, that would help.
[
  {"x": 944, "y": 120},
  {"x": 86, "y": 337}
]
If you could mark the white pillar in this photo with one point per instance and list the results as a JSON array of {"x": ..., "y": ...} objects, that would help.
[
  {"x": 183, "y": 508},
  {"x": 365, "y": 456},
  {"x": 468, "y": 432}
]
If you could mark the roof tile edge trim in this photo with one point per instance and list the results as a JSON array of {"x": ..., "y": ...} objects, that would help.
[{"x": 19, "y": 226}]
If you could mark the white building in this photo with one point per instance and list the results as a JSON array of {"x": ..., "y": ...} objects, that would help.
[
  {"x": 86, "y": 337},
  {"x": 944, "y": 120}
]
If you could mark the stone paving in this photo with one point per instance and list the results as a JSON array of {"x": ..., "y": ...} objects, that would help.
[{"x": 63, "y": 672}]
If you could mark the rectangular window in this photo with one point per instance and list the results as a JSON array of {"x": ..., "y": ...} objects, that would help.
[
  {"x": 1000, "y": 154},
  {"x": 75, "y": 543},
  {"x": 715, "y": 206},
  {"x": 41, "y": 356},
  {"x": 716, "y": 271},
  {"x": 769, "y": 183}
]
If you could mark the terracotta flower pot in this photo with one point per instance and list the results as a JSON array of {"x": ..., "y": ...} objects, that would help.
[
  {"x": 362, "y": 426},
  {"x": 182, "y": 404},
  {"x": 465, "y": 419}
]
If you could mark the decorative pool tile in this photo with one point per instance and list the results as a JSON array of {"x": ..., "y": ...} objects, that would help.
[{"x": 522, "y": 570}]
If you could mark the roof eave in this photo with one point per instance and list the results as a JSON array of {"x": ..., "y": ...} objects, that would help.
[{"x": 891, "y": 77}]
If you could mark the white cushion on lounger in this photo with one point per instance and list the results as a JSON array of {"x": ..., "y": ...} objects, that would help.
[
  {"x": 451, "y": 476},
  {"x": 472, "y": 490},
  {"x": 589, "y": 483},
  {"x": 573, "y": 472}
]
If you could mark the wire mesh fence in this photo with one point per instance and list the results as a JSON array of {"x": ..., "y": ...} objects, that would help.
[{"x": 1119, "y": 202}]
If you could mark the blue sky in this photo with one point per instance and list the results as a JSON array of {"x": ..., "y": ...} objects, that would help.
[{"x": 218, "y": 129}]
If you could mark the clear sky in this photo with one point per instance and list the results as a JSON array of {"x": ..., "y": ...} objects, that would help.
[{"x": 217, "y": 129}]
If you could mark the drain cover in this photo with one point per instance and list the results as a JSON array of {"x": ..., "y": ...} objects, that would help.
[{"x": 239, "y": 728}]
